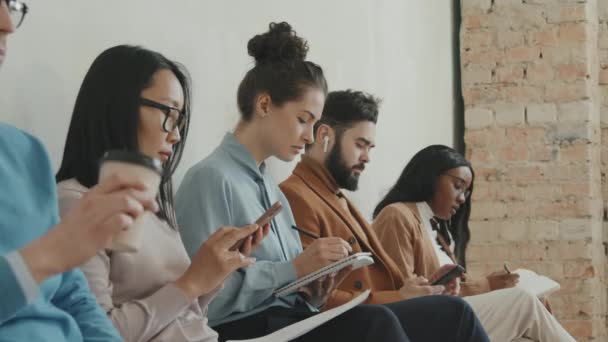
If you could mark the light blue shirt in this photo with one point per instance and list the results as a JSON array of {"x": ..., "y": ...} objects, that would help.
[
  {"x": 228, "y": 189},
  {"x": 61, "y": 308}
]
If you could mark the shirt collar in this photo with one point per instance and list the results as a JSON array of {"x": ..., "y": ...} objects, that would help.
[
  {"x": 320, "y": 172},
  {"x": 242, "y": 155},
  {"x": 426, "y": 213}
]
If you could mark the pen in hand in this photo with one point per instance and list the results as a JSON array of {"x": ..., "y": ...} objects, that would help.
[
  {"x": 506, "y": 266},
  {"x": 309, "y": 234}
]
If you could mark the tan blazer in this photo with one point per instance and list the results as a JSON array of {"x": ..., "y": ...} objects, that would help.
[
  {"x": 311, "y": 192},
  {"x": 402, "y": 234}
]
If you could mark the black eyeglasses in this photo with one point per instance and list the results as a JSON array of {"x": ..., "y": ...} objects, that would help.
[
  {"x": 461, "y": 184},
  {"x": 17, "y": 11},
  {"x": 174, "y": 118}
]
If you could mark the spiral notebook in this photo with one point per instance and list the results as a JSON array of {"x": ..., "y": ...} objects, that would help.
[
  {"x": 539, "y": 285},
  {"x": 300, "y": 328},
  {"x": 357, "y": 260}
]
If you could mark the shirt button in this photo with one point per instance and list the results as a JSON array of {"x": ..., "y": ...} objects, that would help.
[
  {"x": 358, "y": 285},
  {"x": 352, "y": 240}
]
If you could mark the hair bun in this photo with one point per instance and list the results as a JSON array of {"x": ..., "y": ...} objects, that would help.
[{"x": 279, "y": 44}]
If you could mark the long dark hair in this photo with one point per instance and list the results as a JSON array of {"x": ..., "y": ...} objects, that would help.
[
  {"x": 418, "y": 182},
  {"x": 280, "y": 69},
  {"x": 106, "y": 116}
]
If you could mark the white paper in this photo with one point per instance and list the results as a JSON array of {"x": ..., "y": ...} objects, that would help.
[
  {"x": 302, "y": 327},
  {"x": 356, "y": 260},
  {"x": 540, "y": 286}
]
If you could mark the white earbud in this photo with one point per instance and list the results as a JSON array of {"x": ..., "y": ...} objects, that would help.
[{"x": 325, "y": 143}]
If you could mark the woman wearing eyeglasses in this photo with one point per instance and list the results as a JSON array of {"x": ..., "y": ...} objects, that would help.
[
  {"x": 423, "y": 224},
  {"x": 137, "y": 100}
]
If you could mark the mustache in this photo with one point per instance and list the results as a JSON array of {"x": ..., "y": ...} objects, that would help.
[{"x": 359, "y": 166}]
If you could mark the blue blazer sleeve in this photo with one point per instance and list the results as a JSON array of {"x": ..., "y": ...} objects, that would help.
[
  {"x": 14, "y": 296},
  {"x": 74, "y": 297}
]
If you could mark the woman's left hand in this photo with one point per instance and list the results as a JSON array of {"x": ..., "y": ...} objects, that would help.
[
  {"x": 253, "y": 241},
  {"x": 453, "y": 287},
  {"x": 317, "y": 292}
]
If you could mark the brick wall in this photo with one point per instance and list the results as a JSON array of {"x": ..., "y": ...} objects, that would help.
[{"x": 534, "y": 79}]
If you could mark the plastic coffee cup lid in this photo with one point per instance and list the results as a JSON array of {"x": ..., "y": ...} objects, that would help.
[{"x": 132, "y": 158}]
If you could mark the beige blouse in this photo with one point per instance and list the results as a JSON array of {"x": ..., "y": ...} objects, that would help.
[{"x": 136, "y": 289}]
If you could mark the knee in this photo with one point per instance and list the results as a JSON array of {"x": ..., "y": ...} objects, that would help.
[
  {"x": 380, "y": 314},
  {"x": 523, "y": 297},
  {"x": 457, "y": 303},
  {"x": 452, "y": 306}
]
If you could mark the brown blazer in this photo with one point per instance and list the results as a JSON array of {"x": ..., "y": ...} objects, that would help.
[
  {"x": 400, "y": 230},
  {"x": 311, "y": 192}
]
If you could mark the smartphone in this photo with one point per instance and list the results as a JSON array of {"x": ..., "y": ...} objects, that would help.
[
  {"x": 269, "y": 214},
  {"x": 261, "y": 221},
  {"x": 454, "y": 272}
]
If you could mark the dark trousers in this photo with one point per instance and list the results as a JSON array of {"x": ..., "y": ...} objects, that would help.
[
  {"x": 425, "y": 319},
  {"x": 438, "y": 318}
]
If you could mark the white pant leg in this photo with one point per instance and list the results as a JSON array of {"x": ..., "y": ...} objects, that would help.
[{"x": 514, "y": 313}]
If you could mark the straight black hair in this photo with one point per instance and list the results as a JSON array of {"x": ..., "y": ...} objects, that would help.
[
  {"x": 106, "y": 116},
  {"x": 417, "y": 183}
]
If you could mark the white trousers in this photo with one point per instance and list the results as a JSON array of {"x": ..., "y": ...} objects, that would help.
[{"x": 511, "y": 314}]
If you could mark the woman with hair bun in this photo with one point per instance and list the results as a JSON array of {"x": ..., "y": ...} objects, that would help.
[{"x": 280, "y": 99}]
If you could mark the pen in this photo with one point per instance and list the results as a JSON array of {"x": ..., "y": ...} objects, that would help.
[
  {"x": 309, "y": 234},
  {"x": 507, "y": 268}
]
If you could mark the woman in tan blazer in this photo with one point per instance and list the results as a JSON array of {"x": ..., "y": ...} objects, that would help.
[{"x": 423, "y": 225}]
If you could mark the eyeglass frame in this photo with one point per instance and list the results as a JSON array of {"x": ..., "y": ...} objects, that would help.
[
  {"x": 17, "y": 6},
  {"x": 466, "y": 192},
  {"x": 180, "y": 123}
]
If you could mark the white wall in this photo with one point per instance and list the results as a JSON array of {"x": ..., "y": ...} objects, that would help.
[{"x": 399, "y": 50}]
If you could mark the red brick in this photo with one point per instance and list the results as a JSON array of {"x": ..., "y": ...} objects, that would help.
[
  {"x": 571, "y": 72},
  {"x": 604, "y": 76},
  {"x": 522, "y": 94},
  {"x": 539, "y": 73},
  {"x": 521, "y": 54},
  {"x": 561, "y": 14},
  {"x": 479, "y": 157},
  {"x": 476, "y": 21},
  {"x": 574, "y": 153},
  {"x": 488, "y": 173},
  {"x": 509, "y": 39},
  {"x": 543, "y": 153},
  {"x": 485, "y": 137},
  {"x": 566, "y": 92},
  {"x": 546, "y": 37},
  {"x": 534, "y": 251},
  {"x": 510, "y": 74},
  {"x": 477, "y": 39},
  {"x": 477, "y": 56},
  {"x": 525, "y": 173},
  {"x": 576, "y": 189},
  {"x": 481, "y": 94},
  {"x": 572, "y": 33},
  {"x": 578, "y": 328},
  {"x": 525, "y": 135},
  {"x": 512, "y": 153}
]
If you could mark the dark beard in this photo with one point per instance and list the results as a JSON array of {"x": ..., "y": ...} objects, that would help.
[{"x": 338, "y": 169}]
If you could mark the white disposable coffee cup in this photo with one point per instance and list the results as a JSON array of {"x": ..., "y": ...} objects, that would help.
[{"x": 133, "y": 166}]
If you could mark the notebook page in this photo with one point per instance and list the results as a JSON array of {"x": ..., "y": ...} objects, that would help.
[
  {"x": 302, "y": 327},
  {"x": 539, "y": 285}
]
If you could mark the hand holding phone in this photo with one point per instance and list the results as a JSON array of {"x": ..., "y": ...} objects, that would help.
[
  {"x": 269, "y": 214},
  {"x": 446, "y": 273},
  {"x": 261, "y": 222}
]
